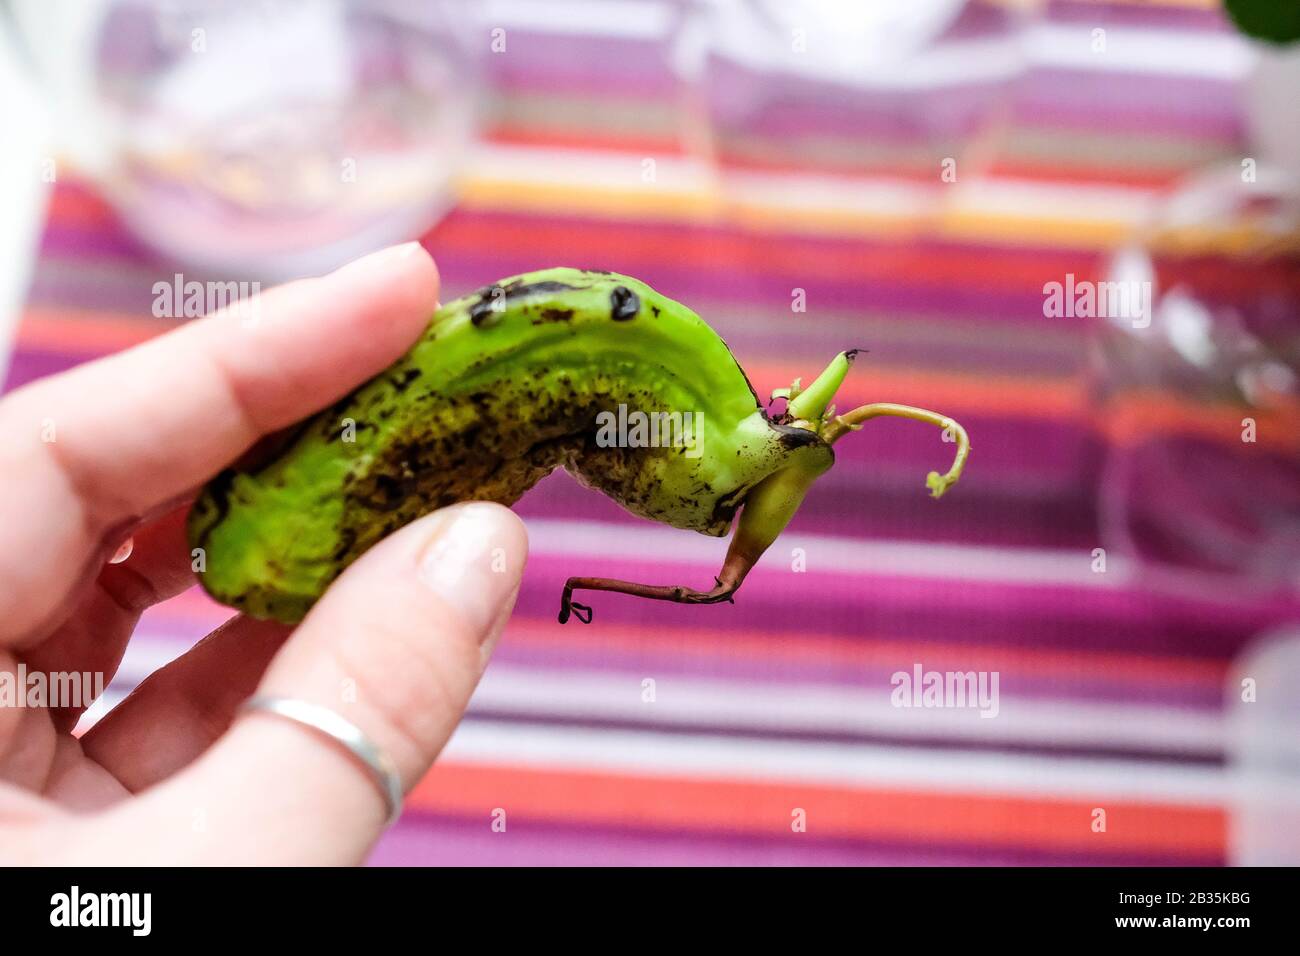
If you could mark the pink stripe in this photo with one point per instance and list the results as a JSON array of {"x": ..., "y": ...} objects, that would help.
[{"x": 423, "y": 840}]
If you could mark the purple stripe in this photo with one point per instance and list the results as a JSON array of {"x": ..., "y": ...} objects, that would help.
[
  {"x": 70, "y": 239},
  {"x": 978, "y": 20},
  {"x": 874, "y": 679},
  {"x": 588, "y": 67},
  {"x": 783, "y": 106},
  {"x": 1134, "y": 102},
  {"x": 424, "y": 839},
  {"x": 815, "y": 336},
  {"x": 27, "y": 365},
  {"x": 1036, "y": 451},
  {"x": 1094, "y": 13},
  {"x": 126, "y": 290}
]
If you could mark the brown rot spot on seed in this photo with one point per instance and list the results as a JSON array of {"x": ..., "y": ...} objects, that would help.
[
  {"x": 624, "y": 304},
  {"x": 553, "y": 315}
]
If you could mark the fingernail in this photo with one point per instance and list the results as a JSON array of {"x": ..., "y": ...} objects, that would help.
[
  {"x": 123, "y": 551},
  {"x": 384, "y": 256},
  {"x": 473, "y": 562}
]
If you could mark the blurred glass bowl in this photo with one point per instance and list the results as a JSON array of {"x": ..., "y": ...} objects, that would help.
[{"x": 270, "y": 137}]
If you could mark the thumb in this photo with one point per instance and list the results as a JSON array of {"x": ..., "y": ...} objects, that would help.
[{"x": 396, "y": 646}]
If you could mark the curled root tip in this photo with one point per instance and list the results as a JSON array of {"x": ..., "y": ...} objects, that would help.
[
  {"x": 582, "y": 612},
  {"x": 937, "y": 484}
]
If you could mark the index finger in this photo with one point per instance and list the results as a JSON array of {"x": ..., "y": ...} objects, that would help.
[{"x": 91, "y": 449}]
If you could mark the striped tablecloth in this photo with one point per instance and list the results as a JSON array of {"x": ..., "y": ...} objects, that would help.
[{"x": 1112, "y": 685}]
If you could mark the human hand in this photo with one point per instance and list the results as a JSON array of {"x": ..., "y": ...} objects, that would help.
[{"x": 176, "y": 773}]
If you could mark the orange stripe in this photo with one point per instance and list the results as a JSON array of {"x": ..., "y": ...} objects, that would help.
[
  {"x": 765, "y": 809},
  {"x": 85, "y": 330},
  {"x": 588, "y": 140},
  {"x": 1140, "y": 415},
  {"x": 1054, "y": 173},
  {"x": 77, "y": 202}
]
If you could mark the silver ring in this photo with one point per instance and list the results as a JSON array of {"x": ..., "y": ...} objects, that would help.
[{"x": 343, "y": 732}]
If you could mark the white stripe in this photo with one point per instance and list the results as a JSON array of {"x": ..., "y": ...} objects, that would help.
[
  {"x": 868, "y": 195},
  {"x": 848, "y": 765},
  {"x": 553, "y": 166},
  {"x": 834, "y": 555},
  {"x": 677, "y": 176},
  {"x": 831, "y": 709},
  {"x": 1217, "y": 56},
  {"x": 1082, "y": 202},
  {"x": 643, "y": 19}
]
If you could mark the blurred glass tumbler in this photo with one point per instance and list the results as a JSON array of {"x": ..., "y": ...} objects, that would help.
[
  {"x": 272, "y": 138},
  {"x": 868, "y": 90},
  {"x": 1263, "y": 752},
  {"x": 1185, "y": 503}
]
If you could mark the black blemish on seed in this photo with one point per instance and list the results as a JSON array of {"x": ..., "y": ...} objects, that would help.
[
  {"x": 536, "y": 288},
  {"x": 553, "y": 315},
  {"x": 391, "y": 492},
  {"x": 598, "y": 272},
  {"x": 725, "y": 508},
  {"x": 482, "y": 310},
  {"x": 793, "y": 437},
  {"x": 403, "y": 381},
  {"x": 655, "y": 310},
  {"x": 624, "y": 304},
  {"x": 218, "y": 492},
  {"x": 341, "y": 406},
  {"x": 347, "y": 538}
]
